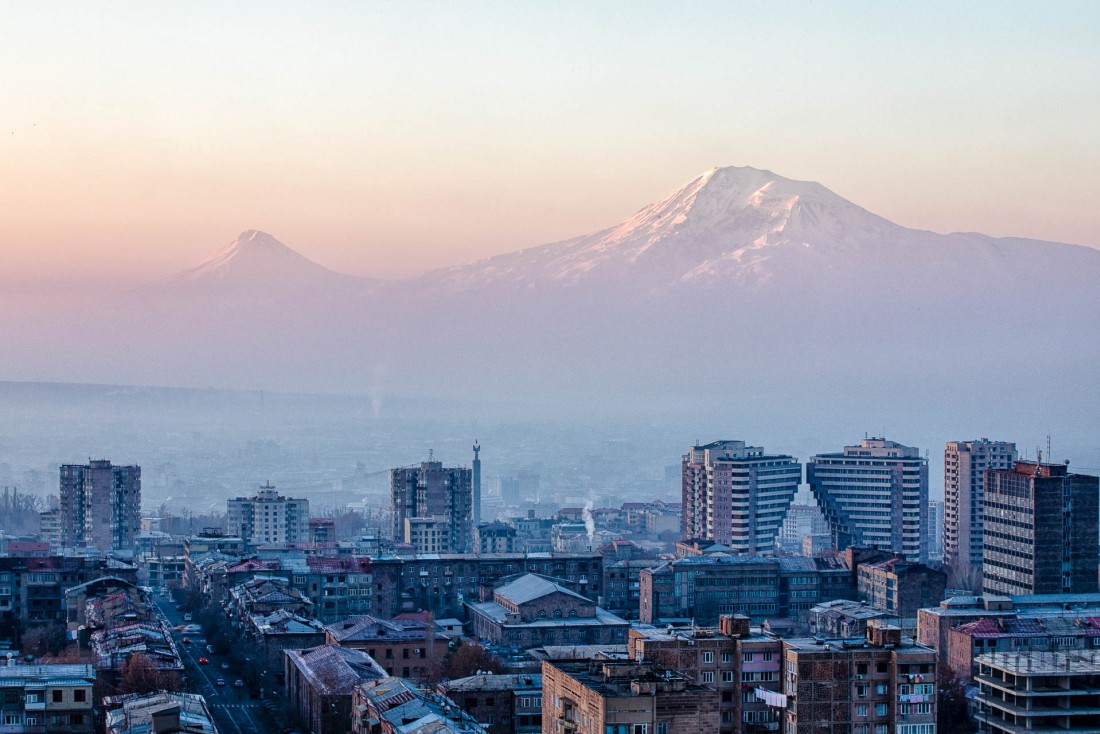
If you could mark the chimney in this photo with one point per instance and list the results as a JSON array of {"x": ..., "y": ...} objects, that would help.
[{"x": 881, "y": 634}]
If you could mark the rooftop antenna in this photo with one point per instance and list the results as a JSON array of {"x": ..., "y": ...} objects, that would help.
[
  {"x": 1048, "y": 449},
  {"x": 430, "y": 452}
]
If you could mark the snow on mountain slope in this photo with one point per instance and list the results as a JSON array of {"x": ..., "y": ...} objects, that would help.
[
  {"x": 730, "y": 225},
  {"x": 256, "y": 261}
]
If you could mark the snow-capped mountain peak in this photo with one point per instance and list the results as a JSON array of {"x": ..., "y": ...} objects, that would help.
[
  {"x": 256, "y": 261},
  {"x": 724, "y": 223}
]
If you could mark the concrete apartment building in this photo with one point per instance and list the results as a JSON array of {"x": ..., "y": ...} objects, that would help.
[
  {"x": 967, "y": 642},
  {"x": 46, "y": 698},
  {"x": 759, "y": 587},
  {"x": 100, "y": 505},
  {"x": 407, "y": 648},
  {"x": 1023, "y": 693},
  {"x": 737, "y": 495},
  {"x": 731, "y": 658},
  {"x": 501, "y": 703},
  {"x": 623, "y": 697},
  {"x": 433, "y": 504},
  {"x": 935, "y": 623},
  {"x": 964, "y": 466},
  {"x": 1040, "y": 530},
  {"x": 900, "y": 587},
  {"x": 874, "y": 494},
  {"x": 884, "y": 684},
  {"x": 268, "y": 517}
]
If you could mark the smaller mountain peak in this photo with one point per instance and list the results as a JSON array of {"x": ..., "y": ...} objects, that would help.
[{"x": 254, "y": 238}]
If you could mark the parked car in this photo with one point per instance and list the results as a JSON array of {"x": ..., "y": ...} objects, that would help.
[
  {"x": 220, "y": 682},
  {"x": 238, "y": 683},
  {"x": 225, "y": 666},
  {"x": 187, "y": 617},
  {"x": 210, "y": 649},
  {"x": 187, "y": 640}
]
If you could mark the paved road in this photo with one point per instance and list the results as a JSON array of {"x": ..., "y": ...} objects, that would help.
[{"x": 233, "y": 711}]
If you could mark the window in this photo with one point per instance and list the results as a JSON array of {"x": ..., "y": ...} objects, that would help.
[
  {"x": 708, "y": 657},
  {"x": 80, "y": 695},
  {"x": 727, "y": 657},
  {"x": 880, "y": 688},
  {"x": 708, "y": 676},
  {"x": 767, "y": 657},
  {"x": 747, "y": 657},
  {"x": 640, "y": 729},
  {"x": 880, "y": 709},
  {"x": 727, "y": 676},
  {"x": 861, "y": 709},
  {"x": 662, "y": 728},
  {"x": 58, "y": 696}
]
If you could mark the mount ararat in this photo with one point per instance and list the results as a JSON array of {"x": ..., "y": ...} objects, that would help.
[{"x": 741, "y": 292}]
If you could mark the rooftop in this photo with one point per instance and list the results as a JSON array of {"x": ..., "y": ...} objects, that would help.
[
  {"x": 368, "y": 628},
  {"x": 1044, "y": 663},
  {"x": 334, "y": 669},
  {"x": 529, "y": 587},
  {"x": 495, "y": 682}
]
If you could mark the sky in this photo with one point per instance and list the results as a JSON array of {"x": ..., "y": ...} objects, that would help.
[{"x": 386, "y": 139}]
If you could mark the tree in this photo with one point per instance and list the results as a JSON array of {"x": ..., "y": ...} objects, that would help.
[
  {"x": 952, "y": 714},
  {"x": 43, "y": 640},
  {"x": 139, "y": 674},
  {"x": 469, "y": 659}
]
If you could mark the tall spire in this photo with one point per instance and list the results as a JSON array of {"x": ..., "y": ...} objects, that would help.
[{"x": 477, "y": 484}]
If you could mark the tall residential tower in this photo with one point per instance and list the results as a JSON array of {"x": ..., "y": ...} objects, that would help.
[
  {"x": 269, "y": 517},
  {"x": 433, "y": 507},
  {"x": 737, "y": 495},
  {"x": 964, "y": 467},
  {"x": 1040, "y": 530},
  {"x": 100, "y": 505},
  {"x": 874, "y": 494}
]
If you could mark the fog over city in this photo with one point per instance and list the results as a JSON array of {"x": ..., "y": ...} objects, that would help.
[{"x": 503, "y": 368}]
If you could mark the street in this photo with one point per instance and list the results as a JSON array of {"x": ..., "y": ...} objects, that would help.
[{"x": 234, "y": 712}]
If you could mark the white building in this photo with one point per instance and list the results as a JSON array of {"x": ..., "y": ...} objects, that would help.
[
  {"x": 737, "y": 495},
  {"x": 964, "y": 467},
  {"x": 874, "y": 494},
  {"x": 268, "y": 517}
]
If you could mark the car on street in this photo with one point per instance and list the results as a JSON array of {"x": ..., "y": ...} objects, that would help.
[
  {"x": 187, "y": 640},
  {"x": 220, "y": 682},
  {"x": 210, "y": 649},
  {"x": 187, "y": 617},
  {"x": 238, "y": 683},
  {"x": 225, "y": 666},
  {"x": 204, "y": 661}
]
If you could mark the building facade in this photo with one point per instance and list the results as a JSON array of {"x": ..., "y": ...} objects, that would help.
[
  {"x": 100, "y": 505},
  {"x": 35, "y": 699},
  {"x": 874, "y": 494},
  {"x": 737, "y": 495},
  {"x": 432, "y": 491},
  {"x": 1037, "y": 691},
  {"x": 1040, "y": 530},
  {"x": 623, "y": 697},
  {"x": 269, "y": 517},
  {"x": 883, "y": 685},
  {"x": 964, "y": 466},
  {"x": 900, "y": 587}
]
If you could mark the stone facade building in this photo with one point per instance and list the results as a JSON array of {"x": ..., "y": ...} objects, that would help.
[
  {"x": 502, "y": 703},
  {"x": 535, "y": 611},
  {"x": 407, "y": 648},
  {"x": 1040, "y": 530},
  {"x": 623, "y": 697},
  {"x": 269, "y": 517},
  {"x": 884, "y": 685},
  {"x": 900, "y": 587},
  {"x": 47, "y": 698},
  {"x": 731, "y": 658},
  {"x": 320, "y": 682}
]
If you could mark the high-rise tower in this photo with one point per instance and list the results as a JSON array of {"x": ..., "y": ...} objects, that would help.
[
  {"x": 477, "y": 484},
  {"x": 874, "y": 494},
  {"x": 964, "y": 467},
  {"x": 435, "y": 504},
  {"x": 1040, "y": 530},
  {"x": 736, "y": 494},
  {"x": 100, "y": 505}
]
